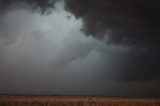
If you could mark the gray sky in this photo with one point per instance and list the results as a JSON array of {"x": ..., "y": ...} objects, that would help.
[{"x": 49, "y": 54}]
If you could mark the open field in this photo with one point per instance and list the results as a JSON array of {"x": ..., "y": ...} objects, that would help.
[{"x": 76, "y": 101}]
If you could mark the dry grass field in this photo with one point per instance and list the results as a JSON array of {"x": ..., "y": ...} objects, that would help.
[{"x": 76, "y": 101}]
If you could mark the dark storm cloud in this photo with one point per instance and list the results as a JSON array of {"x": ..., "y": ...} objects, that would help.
[
  {"x": 43, "y": 54},
  {"x": 133, "y": 23},
  {"x": 126, "y": 21}
]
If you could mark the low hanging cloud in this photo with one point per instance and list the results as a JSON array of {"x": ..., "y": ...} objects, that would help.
[
  {"x": 131, "y": 24},
  {"x": 93, "y": 48},
  {"x": 43, "y": 54}
]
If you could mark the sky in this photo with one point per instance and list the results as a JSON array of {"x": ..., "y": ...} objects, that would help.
[{"x": 80, "y": 47}]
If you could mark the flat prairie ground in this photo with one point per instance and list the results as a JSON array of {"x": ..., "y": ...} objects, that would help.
[{"x": 76, "y": 101}]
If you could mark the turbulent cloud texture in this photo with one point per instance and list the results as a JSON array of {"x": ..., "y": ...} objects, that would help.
[
  {"x": 44, "y": 54},
  {"x": 133, "y": 23},
  {"x": 126, "y": 21},
  {"x": 107, "y": 45}
]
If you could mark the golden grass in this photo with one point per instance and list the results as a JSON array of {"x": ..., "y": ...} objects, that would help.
[{"x": 75, "y": 101}]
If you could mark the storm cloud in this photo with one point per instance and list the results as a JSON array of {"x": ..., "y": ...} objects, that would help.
[
  {"x": 126, "y": 21},
  {"x": 131, "y": 23},
  {"x": 108, "y": 44},
  {"x": 43, "y": 54}
]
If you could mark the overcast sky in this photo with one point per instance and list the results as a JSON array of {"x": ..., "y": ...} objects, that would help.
[{"x": 67, "y": 53}]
